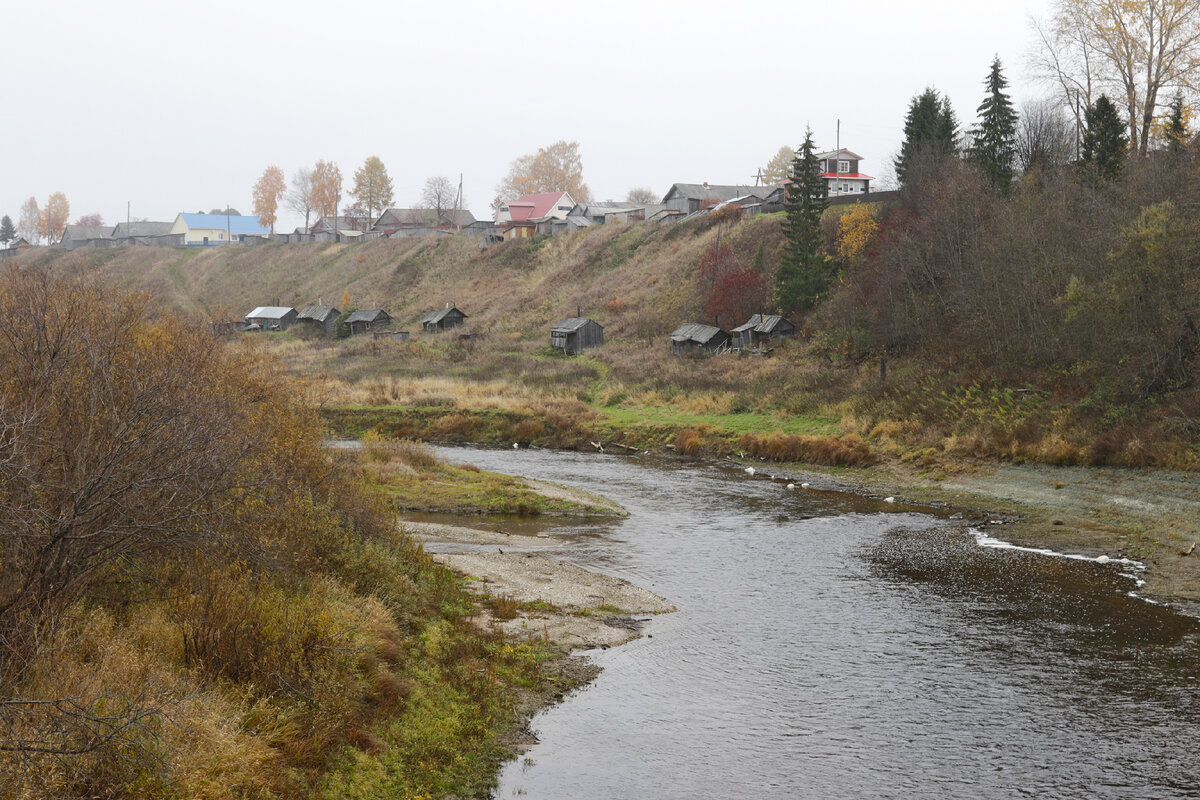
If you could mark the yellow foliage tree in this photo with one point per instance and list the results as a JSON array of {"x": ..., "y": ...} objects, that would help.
[
  {"x": 326, "y": 183},
  {"x": 52, "y": 220},
  {"x": 557, "y": 168},
  {"x": 856, "y": 230},
  {"x": 373, "y": 187},
  {"x": 267, "y": 191}
]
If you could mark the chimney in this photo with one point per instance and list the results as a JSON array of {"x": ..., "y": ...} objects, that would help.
[
  {"x": 447, "y": 305},
  {"x": 578, "y": 311}
]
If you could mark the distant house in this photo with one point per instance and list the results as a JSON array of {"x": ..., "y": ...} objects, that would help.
[
  {"x": 402, "y": 222},
  {"x": 761, "y": 328},
  {"x": 839, "y": 169},
  {"x": 694, "y": 337},
  {"x": 76, "y": 236},
  {"x": 319, "y": 316},
  {"x": 575, "y": 334},
  {"x": 208, "y": 230},
  {"x": 689, "y": 198},
  {"x": 272, "y": 318},
  {"x": 366, "y": 320},
  {"x": 125, "y": 232},
  {"x": 519, "y": 219},
  {"x": 440, "y": 320}
]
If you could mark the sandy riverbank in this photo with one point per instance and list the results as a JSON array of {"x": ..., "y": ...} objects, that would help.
[{"x": 558, "y": 602}]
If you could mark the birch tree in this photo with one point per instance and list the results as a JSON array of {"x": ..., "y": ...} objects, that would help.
[
  {"x": 1134, "y": 48},
  {"x": 267, "y": 191}
]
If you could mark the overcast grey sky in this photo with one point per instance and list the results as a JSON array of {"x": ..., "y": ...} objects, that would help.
[{"x": 180, "y": 106}]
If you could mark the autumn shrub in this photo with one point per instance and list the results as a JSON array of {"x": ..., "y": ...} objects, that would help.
[
  {"x": 847, "y": 451},
  {"x": 689, "y": 442}
]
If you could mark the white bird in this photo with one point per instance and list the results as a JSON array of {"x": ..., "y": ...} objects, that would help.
[
  {"x": 804, "y": 485},
  {"x": 1102, "y": 560},
  {"x": 516, "y": 446},
  {"x": 749, "y": 470},
  {"x": 791, "y": 486},
  {"x": 889, "y": 499}
]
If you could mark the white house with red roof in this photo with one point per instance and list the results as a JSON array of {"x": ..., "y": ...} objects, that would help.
[
  {"x": 519, "y": 218},
  {"x": 839, "y": 168}
]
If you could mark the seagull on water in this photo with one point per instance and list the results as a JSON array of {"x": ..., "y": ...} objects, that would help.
[{"x": 749, "y": 470}]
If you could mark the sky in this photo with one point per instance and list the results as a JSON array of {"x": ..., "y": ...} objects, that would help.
[{"x": 171, "y": 107}]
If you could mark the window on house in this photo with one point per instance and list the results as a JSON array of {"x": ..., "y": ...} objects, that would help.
[{"x": 843, "y": 166}]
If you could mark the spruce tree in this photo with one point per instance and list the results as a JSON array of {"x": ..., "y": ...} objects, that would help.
[
  {"x": 930, "y": 134},
  {"x": 7, "y": 231},
  {"x": 1104, "y": 142},
  {"x": 994, "y": 141},
  {"x": 1176, "y": 130},
  {"x": 805, "y": 272}
]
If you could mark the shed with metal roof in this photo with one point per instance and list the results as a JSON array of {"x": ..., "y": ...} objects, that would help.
[
  {"x": 273, "y": 318},
  {"x": 319, "y": 317},
  {"x": 695, "y": 337},
  {"x": 575, "y": 334},
  {"x": 443, "y": 318},
  {"x": 761, "y": 328},
  {"x": 368, "y": 319}
]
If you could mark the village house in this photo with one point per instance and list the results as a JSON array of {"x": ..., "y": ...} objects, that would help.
[
  {"x": 694, "y": 337},
  {"x": 319, "y": 317},
  {"x": 272, "y": 318},
  {"x": 575, "y": 334},
  {"x": 405, "y": 222},
  {"x": 207, "y": 230},
  {"x": 839, "y": 169},
  {"x": 761, "y": 329},
  {"x": 689, "y": 198},
  {"x": 368, "y": 319},
  {"x": 519, "y": 219},
  {"x": 76, "y": 236},
  {"x": 442, "y": 319},
  {"x": 144, "y": 232}
]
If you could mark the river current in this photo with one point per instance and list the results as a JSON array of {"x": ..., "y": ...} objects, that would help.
[{"x": 833, "y": 646}]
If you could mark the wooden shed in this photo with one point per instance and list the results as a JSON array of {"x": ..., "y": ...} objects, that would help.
[
  {"x": 694, "y": 337},
  {"x": 760, "y": 329},
  {"x": 442, "y": 319},
  {"x": 575, "y": 334},
  {"x": 272, "y": 318},
  {"x": 319, "y": 317},
  {"x": 368, "y": 319}
]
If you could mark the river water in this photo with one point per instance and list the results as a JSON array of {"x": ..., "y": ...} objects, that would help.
[{"x": 832, "y": 646}]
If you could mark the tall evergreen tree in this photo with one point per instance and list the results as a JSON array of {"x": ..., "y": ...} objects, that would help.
[
  {"x": 1104, "y": 142},
  {"x": 8, "y": 231},
  {"x": 994, "y": 140},
  {"x": 805, "y": 273},
  {"x": 930, "y": 133},
  {"x": 1176, "y": 129}
]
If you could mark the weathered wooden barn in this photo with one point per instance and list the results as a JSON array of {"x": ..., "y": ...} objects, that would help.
[
  {"x": 575, "y": 334},
  {"x": 761, "y": 329},
  {"x": 694, "y": 337},
  {"x": 443, "y": 319},
  {"x": 272, "y": 318},
  {"x": 368, "y": 319},
  {"x": 319, "y": 317}
]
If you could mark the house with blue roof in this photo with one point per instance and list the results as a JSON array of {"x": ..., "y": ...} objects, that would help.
[{"x": 207, "y": 230}]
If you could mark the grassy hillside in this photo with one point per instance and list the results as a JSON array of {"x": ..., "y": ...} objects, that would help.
[
  {"x": 633, "y": 279},
  {"x": 938, "y": 403}
]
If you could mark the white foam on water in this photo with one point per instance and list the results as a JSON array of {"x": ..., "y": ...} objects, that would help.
[{"x": 983, "y": 540}]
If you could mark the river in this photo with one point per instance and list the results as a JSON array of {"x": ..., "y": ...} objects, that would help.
[{"x": 834, "y": 646}]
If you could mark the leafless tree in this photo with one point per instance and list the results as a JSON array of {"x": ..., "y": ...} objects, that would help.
[
  {"x": 1044, "y": 136},
  {"x": 439, "y": 194},
  {"x": 300, "y": 196}
]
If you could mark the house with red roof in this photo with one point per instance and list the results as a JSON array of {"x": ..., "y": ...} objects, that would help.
[
  {"x": 519, "y": 219},
  {"x": 839, "y": 168}
]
